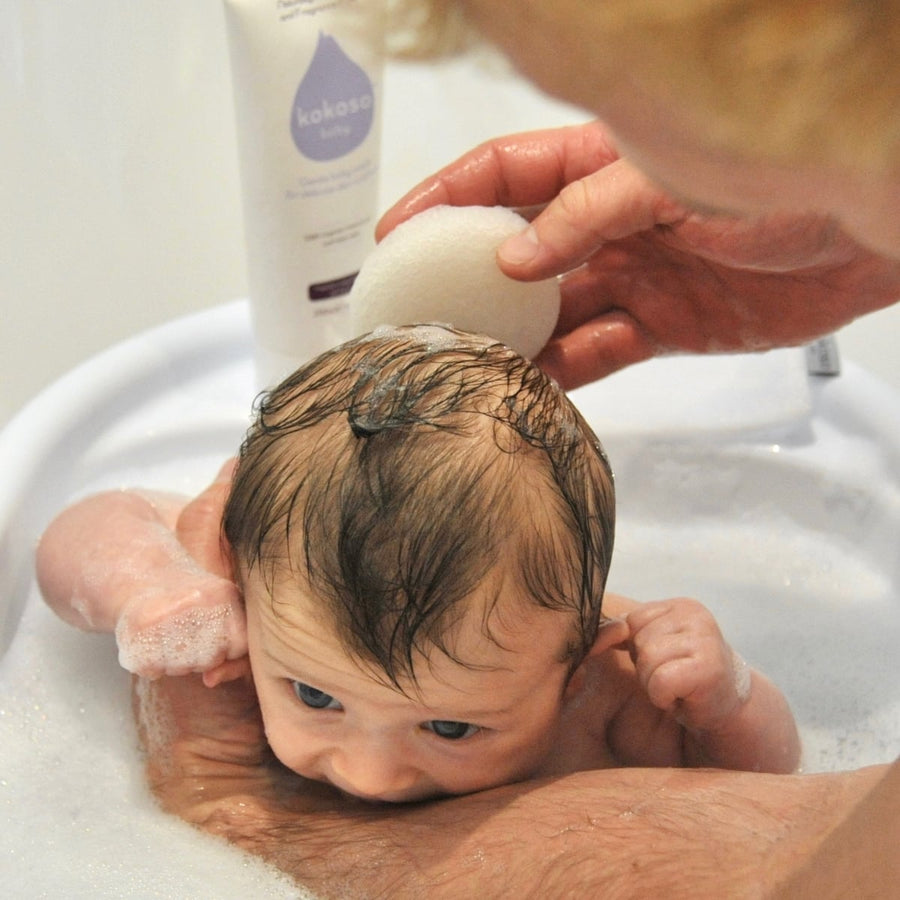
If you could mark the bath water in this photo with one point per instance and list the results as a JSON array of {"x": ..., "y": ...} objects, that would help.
[
  {"x": 77, "y": 819},
  {"x": 71, "y": 774}
]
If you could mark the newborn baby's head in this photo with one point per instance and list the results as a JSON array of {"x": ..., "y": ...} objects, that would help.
[
  {"x": 440, "y": 266},
  {"x": 410, "y": 510}
]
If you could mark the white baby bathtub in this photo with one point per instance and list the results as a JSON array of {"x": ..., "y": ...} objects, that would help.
[{"x": 772, "y": 497}]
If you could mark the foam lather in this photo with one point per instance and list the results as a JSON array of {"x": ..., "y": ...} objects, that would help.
[{"x": 440, "y": 266}]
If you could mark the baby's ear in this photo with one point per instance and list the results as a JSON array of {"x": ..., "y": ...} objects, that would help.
[
  {"x": 613, "y": 632},
  {"x": 610, "y": 633}
]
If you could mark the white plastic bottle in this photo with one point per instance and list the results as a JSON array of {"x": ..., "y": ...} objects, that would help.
[{"x": 307, "y": 86}]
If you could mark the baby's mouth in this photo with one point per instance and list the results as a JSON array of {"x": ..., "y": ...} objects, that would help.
[{"x": 386, "y": 799}]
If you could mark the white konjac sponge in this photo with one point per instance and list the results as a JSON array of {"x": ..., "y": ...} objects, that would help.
[{"x": 440, "y": 266}]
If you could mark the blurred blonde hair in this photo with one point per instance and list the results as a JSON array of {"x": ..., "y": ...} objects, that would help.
[
  {"x": 796, "y": 81},
  {"x": 427, "y": 29}
]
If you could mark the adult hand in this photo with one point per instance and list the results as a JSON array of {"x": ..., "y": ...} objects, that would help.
[{"x": 647, "y": 275}]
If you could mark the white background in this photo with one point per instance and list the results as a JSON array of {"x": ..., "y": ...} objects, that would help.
[{"x": 118, "y": 174}]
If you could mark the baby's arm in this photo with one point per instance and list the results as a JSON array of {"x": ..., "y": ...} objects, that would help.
[
  {"x": 113, "y": 562},
  {"x": 733, "y": 716}
]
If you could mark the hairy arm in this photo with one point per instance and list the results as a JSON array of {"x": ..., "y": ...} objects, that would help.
[{"x": 616, "y": 833}]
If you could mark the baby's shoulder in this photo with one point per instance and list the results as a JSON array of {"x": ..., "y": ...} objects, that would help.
[
  {"x": 618, "y": 714},
  {"x": 605, "y": 684}
]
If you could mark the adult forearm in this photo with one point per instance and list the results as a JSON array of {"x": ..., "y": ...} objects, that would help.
[
  {"x": 860, "y": 858},
  {"x": 614, "y": 833}
]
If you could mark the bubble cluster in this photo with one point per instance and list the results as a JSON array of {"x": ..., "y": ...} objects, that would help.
[{"x": 189, "y": 641}]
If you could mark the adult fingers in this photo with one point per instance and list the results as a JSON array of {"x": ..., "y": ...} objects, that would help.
[
  {"x": 598, "y": 348},
  {"x": 613, "y": 202},
  {"x": 520, "y": 170}
]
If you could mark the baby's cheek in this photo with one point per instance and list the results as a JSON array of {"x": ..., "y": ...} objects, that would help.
[
  {"x": 523, "y": 759},
  {"x": 291, "y": 745}
]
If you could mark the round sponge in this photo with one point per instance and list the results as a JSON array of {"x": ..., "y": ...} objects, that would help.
[{"x": 440, "y": 266}]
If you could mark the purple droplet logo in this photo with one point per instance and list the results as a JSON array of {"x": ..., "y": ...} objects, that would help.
[{"x": 334, "y": 104}]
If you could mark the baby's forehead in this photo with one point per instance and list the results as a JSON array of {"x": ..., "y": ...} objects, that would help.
[
  {"x": 490, "y": 639},
  {"x": 495, "y": 644}
]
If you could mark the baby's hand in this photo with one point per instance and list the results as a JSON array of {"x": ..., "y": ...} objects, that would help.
[
  {"x": 191, "y": 618},
  {"x": 185, "y": 620},
  {"x": 684, "y": 664}
]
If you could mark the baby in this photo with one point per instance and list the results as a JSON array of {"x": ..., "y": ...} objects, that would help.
[{"x": 421, "y": 526}]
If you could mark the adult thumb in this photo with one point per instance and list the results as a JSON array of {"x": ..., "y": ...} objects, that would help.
[{"x": 613, "y": 202}]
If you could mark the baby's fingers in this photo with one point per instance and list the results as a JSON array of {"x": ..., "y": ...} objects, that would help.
[
  {"x": 229, "y": 670},
  {"x": 670, "y": 616},
  {"x": 674, "y": 682},
  {"x": 193, "y": 639},
  {"x": 700, "y": 687}
]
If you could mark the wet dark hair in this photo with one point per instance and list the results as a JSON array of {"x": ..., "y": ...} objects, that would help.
[{"x": 394, "y": 474}]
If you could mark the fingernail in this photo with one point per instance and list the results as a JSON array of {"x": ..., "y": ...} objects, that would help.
[{"x": 520, "y": 248}]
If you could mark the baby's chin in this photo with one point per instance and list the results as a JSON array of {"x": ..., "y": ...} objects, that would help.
[
  {"x": 413, "y": 795},
  {"x": 394, "y": 799}
]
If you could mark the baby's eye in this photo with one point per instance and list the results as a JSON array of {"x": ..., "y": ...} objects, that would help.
[
  {"x": 451, "y": 731},
  {"x": 314, "y": 697}
]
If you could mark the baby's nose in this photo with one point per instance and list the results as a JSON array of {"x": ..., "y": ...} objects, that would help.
[{"x": 373, "y": 773}]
